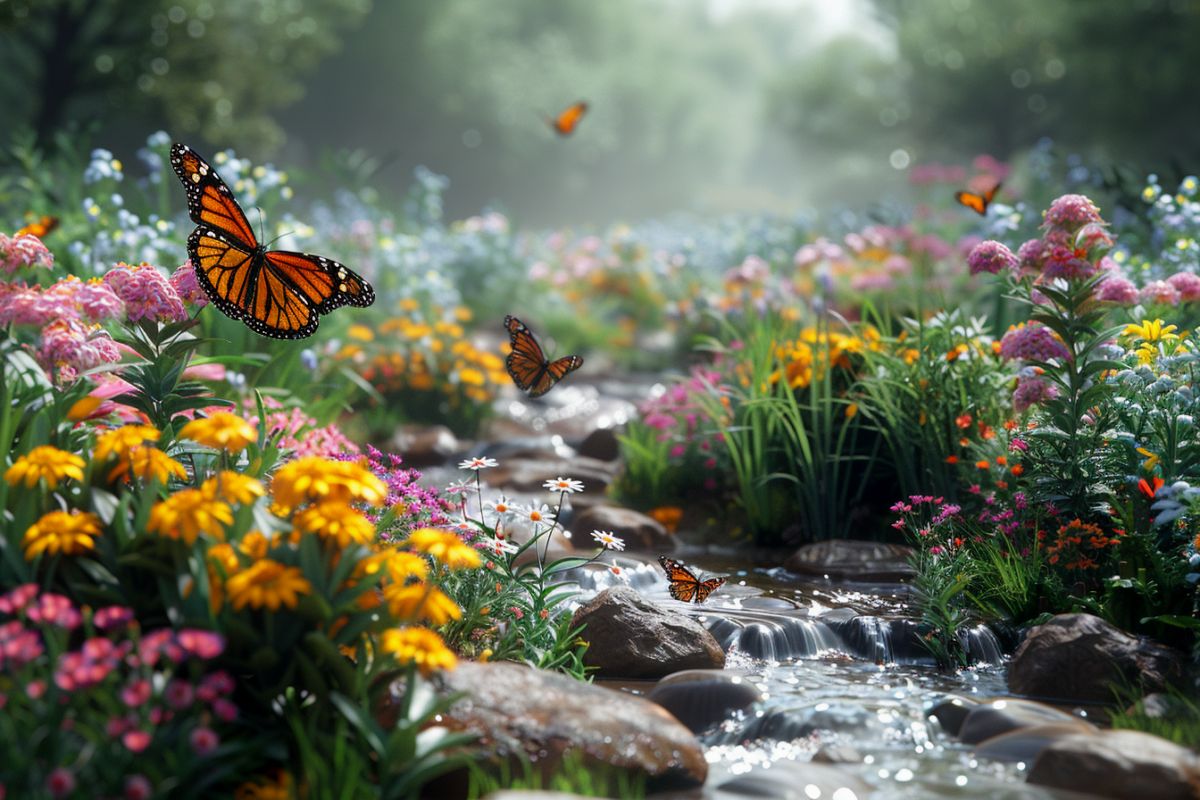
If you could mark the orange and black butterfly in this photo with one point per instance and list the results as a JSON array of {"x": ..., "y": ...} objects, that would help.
[
  {"x": 566, "y": 122},
  {"x": 39, "y": 228},
  {"x": 276, "y": 293},
  {"x": 683, "y": 583},
  {"x": 978, "y": 202},
  {"x": 527, "y": 364}
]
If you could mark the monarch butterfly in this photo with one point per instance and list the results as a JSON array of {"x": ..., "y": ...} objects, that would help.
[
  {"x": 40, "y": 228},
  {"x": 527, "y": 364},
  {"x": 683, "y": 583},
  {"x": 276, "y": 293},
  {"x": 566, "y": 122},
  {"x": 978, "y": 202}
]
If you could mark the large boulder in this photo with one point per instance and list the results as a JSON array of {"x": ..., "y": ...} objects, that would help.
[
  {"x": 520, "y": 713},
  {"x": 424, "y": 445},
  {"x": 630, "y": 637},
  {"x": 701, "y": 698},
  {"x": 1119, "y": 764},
  {"x": 852, "y": 560},
  {"x": 1082, "y": 658},
  {"x": 639, "y": 531}
]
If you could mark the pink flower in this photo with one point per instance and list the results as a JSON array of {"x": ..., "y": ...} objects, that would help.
[
  {"x": 23, "y": 250},
  {"x": 1032, "y": 342},
  {"x": 138, "y": 787},
  {"x": 183, "y": 280},
  {"x": 16, "y": 600},
  {"x": 55, "y": 609},
  {"x": 1093, "y": 237},
  {"x": 214, "y": 685},
  {"x": 1033, "y": 255},
  {"x": 159, "y": 643},
  {"x": 201, "y": 644},
  {"x": 136, "y": 741},
  {"x": 225, "y": 710},
  {"x": 1187, "y": 284},
  {"x": 112, "y": 617},
  {"x": 98, "y": 302},
  {"x": 28, "y": 306},
  {"x": 1064, "y": 262},
  {"x": 991, "y": 257},
  {"x": 678, "y": 451},
  {"x": 179, "y": 694},
  {"x": 60, "y": 782},
  {"x": 71, "y": 343},
  {"x": 35, "y": 689},
  {"x": 1117, "y": 289},
  {"x": 1031, "y": 392},
  {"x": 136, "y": 693},
  {"x": 1159, "y": 292},
  {"x": 204, "y": 741},
  {"x": 147, "y": 294},
  {"x": 18, "y": 646},
  {"x": 1071, "y": 212}
]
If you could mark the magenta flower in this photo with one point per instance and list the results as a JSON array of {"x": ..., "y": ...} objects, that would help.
[
  {"x": 136, "y": 693},
  {"x": 27, "y": 305},
  {"x": 54, "y": 609},
  {"x": 60, "y": 782},
  {"x": 1117, "y": 289},
  {"x": 214, "y": 685},
  {"x": 183, "y": 280},
  {"x": 112, "y": 617},
  {"x": 201, "y": 644},
  {"x": 204, "y": 741},
  {"x": 136, "y": 741},
  {"x": 1032, "y": 391},
  {"x": 98, "y": 302},
  {"x": 1159, "y": 292},
  {"x": 1032, "y": 342},
  {"x": 24, "y": 250},
  {"x": 138, "y": 787},
  {"x": 71, "y": 344},
  {"x": 18, "y": 646},
  {"x": 146, "y": 292},
  {"x": 1071, "y": 212},
  {"x": 1187, "y": 284},
  {"x": 991, "y": 257},
  {"x": 1033, "y": 255},
  {"x": 225, "y": 710},
  {"x": 179, "y": 694},
  {"x": 16, "y": 599},
  {"x": 1063, "y": 262}
]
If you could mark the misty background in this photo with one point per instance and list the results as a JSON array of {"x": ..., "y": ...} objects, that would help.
[{"x": 697, "y": 105}]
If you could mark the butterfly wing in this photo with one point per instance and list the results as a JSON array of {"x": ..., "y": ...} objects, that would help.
[
  {"x": 527, "y": 364},
  {"x": 566, "y": 122},
  {"x": 708, "y": 587},
  {"x": 553, "y": 373},
  {"x": 681, "y": 583},
  {"x": 975, "y": 202},
  {"x": 209, "y": 200},
  {"x": 990, "y": 194},
  {"x": 39, "y": 228}
]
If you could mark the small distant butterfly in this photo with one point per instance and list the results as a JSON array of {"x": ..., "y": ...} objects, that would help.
[
  {"x": 978, "y": 202},
  {"x": 566, "y": 122},
  {"x": 683, "y": 583},
  {"x": 527, "y": 364},
  {"x": 276, "y": 293},
  {"x": 39, "y": 228}
]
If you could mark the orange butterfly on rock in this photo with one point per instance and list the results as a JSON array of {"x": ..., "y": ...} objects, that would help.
[
  {"x": 39, "y": 228},
  {"x": 566, "y": 122},
  {"x": 978, "y": 202},
  {"x": 528, "y": 365},
  {"x": 276, "y": 293},
  {"x": 683, "y": 583}
]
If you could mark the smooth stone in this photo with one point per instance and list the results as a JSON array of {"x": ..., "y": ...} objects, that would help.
[
  {"x": 601, "y": 444},
  {"x": 796, "y": 780},
  {"x": 1025, "y": 744},
  {"x": 639, "y": 531},
  {"x": 1121, "y": 764},
  {"x": 1001, "y": 716},
  {"x": 630, "y": 637},
  {"x": 701, "y": 698},
  {"x": 545, "y": 716},
  {"x": 852, "y": 560},
  {"x": 424, "y": 445},
  {"x": 837, "y": 754},
  {"x": 1082, "y": 658},
  {"x": 951, "y": 712}
]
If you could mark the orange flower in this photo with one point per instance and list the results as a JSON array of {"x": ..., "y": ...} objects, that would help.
[
  {"x": 951, "y": 459},
  {"x": 963, "y": 421},
  {"x": 1148, "y": 489},
  {"x": 982, "y": 464},
  {"x": 1018, "y": 470},
  {"x": 1002, "y": 460}
]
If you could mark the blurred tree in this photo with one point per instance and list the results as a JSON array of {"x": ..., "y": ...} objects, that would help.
[{"x": 204, "y": 67}]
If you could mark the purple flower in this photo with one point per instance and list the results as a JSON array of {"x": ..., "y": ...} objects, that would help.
[
  {"x": 1187, "y": 284},
  {"x": 1032, "y": 342},
  {"x": 992, "y": 257},
  {"x": 1064, "y": 262},
  {"x": 1092, "y": 237},
  {"x": 138, "y": 787},
  {"x": 204, "y": 741},
  {"x": 1071, "y": 212},
  {"x": 112, "y": 617},
  {"x": 183, "y": 280},
  {"x": 23, "y": 250},
  {"x": 60, "y": 782},
  {"x": 1031, "y": 392},
  {"x": 146, "y": 292},
  {"x": 1160, "y": 292},
  {"x": 1033, "y": 255},
  {"x": 1117, "y": 289}
]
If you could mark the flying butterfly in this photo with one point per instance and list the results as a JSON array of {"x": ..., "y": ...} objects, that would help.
[
  {"x": 276, "y": 293},
  {"x": 39, "y": 228},
  {"x": 566, "y": 122},
  {"x": 978, "y": 202},
  {"x": 683, "y": 583},
  {"x": 528, "y": 365}
]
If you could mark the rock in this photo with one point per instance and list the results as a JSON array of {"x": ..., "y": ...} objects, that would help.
[
  {"x": 1119, "y": 764},
  {"x": 1082, "y": 658},
  {"x": 837, "y": 754},
  {"x": 701, "y": 698},
  {"x": 853, "y": 560},
  {"x": 601, "y": 444},
  {"x": 1025, "y": 744},
  {"x": 639, "y": 531},
  {"x": 796, "y": 780},
  {"x": 528, "y": 474},
  {"x": 951, "y": 712},
  {"x": 544, "y": 716},
  {"x": 1001, "y": 716},
  {"x": 424, "y": 445},
  {"x": 630, "y": 637}
]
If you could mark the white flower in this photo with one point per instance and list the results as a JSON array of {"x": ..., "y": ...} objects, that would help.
[
  {"x": 608, "y": 541},
  {"x": 567, "y": 485},
  {"x": 477, "y": 463},
  {"x": 501, "y": 509},
  {"x": 618, "y": 573},
  {"x": 463, "y": 487},
  {"x": 497, "y": 546},
  {"x": 537, "y": 513},
  {"x": 463, "y": 527}
]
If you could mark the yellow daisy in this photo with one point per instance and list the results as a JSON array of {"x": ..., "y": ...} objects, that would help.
[
  {"x": 119, "y": 441},
  {"x": 335, "y": 522},
  {"x": 313, "y": 478},
  {"x": 419, "y": 646},
  {"x": 46, "y": 463},
  {"x": 233, "y": 487},
  {"x": 419, "y": 601},
  {"x": 71, "y": 533},
  {"x": 444, "y": 546},
  {"x": 187, "y": 514},
  {"x": 267, "y": 584},
  {"x": 147, "y": 463},
  {"x": 220, "y": 431}
]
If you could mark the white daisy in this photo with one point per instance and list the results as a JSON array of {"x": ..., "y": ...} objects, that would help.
[
  {"x": 477, "y": 463},
  {"x": 608, "y": 541},
  {"x": 463, "y": 487},
  {"x": 537, "y": 514},
  {"x": 618, "y": 573},
  {"x": 497, "y": 546},
  {"x": 567, "y": 485},
  {"x": 501, "y": 509}
]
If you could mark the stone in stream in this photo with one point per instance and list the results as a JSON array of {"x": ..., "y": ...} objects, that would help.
[
  {"x": 1025, "y": 744},
  {"x": 424, "y": 445},
  {"x": 601, "y": 444},
  {"x": 1001, "y": 716},
  {"x": 517, "y": 711},
  {"x": 951, "y": 712},
  {"x": 1119, "y": 764},
  {"x": 628, "y": 636},
  {"x": 701, "y": 698},
  {"x": 795, "y": 779},
  {"x": 639, "y": 531},
  {"x": 1082, "y": 658},
  {"x": 853, "y": 560}
]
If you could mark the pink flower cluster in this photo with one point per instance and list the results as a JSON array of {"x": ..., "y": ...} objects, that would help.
[
  {"x": 299, "y": 434},
  {"x": 184, "y": 282},
  {"x": 23, "y": 250},
  {"x": 422, "y": 505},
  {"x": 1117, "y": 289},
  {"x": 1032, "y": 342},
  {"x": 1070, "y": 213},
  {"x": 147, "y": 293},
  {"x": 1032, "y": 391},
  {"x": 992, "y": 257}
]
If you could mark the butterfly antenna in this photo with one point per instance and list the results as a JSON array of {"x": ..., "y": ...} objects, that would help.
[
  {"x": 280, "y": 236},
  {"x": 262, "y": 233}
]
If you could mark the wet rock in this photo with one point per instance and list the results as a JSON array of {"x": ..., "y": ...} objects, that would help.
[
  {"x": 1025, "y": 744},
  {"x": 1000, "y": 716},
  {"x": 952, "y": 712},
  {"x": 424, "y": 445},
  {"x": 515, "y": 710},
  {"x": 1082, "y": 658},
  {"x": 786, "y": 724},
  {"x": 601, "y": 444},
  {"x": 528, "y": 474},
  {"x": 639, "y": 531},
  {"x": 1119, "y": 764},
  {"x": 792, "y": 780},
  {"x": 701, "y": 698},
  {"x": 630, "y": 637},
  {"x": 837, "y": 754},
  {"x": 852, "y": 560}
]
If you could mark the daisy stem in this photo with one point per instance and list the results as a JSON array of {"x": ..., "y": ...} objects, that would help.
[{"x": 479, "y": 494}]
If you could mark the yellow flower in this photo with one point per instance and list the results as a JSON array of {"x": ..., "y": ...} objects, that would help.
[
  {"x": 83, "y": 408},
  {"x": 265, "y": 788},
  {"x": 851, "y": 410},
  {"x": 255, "y": 545},
  {"x": 317, "y": 478},
  {"x": 220, "y": 431},
  {"x": 1151, "y": 459},
  {"x": 149, "y": 462},
  {"x": 119, "y": 441},
  {"x": 397, "y": 565},
  {"x": 360, "y": 332},
  {"x": 419, "y": 646},
  {"x": 267, "y": 584},
  {"x": 223, "y": 563},
  {"x": 187, "y": 514},
  {"x": 233, "y": 487},
  {"x": 68, "y": 532},
  {"x": 444, "y": 546},
  {"x": 45, "y": 463},
  {"x": 420, "y": 601},
  {"x": 1152, "y": 331},
  {"x": 336, "y": 522}
]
